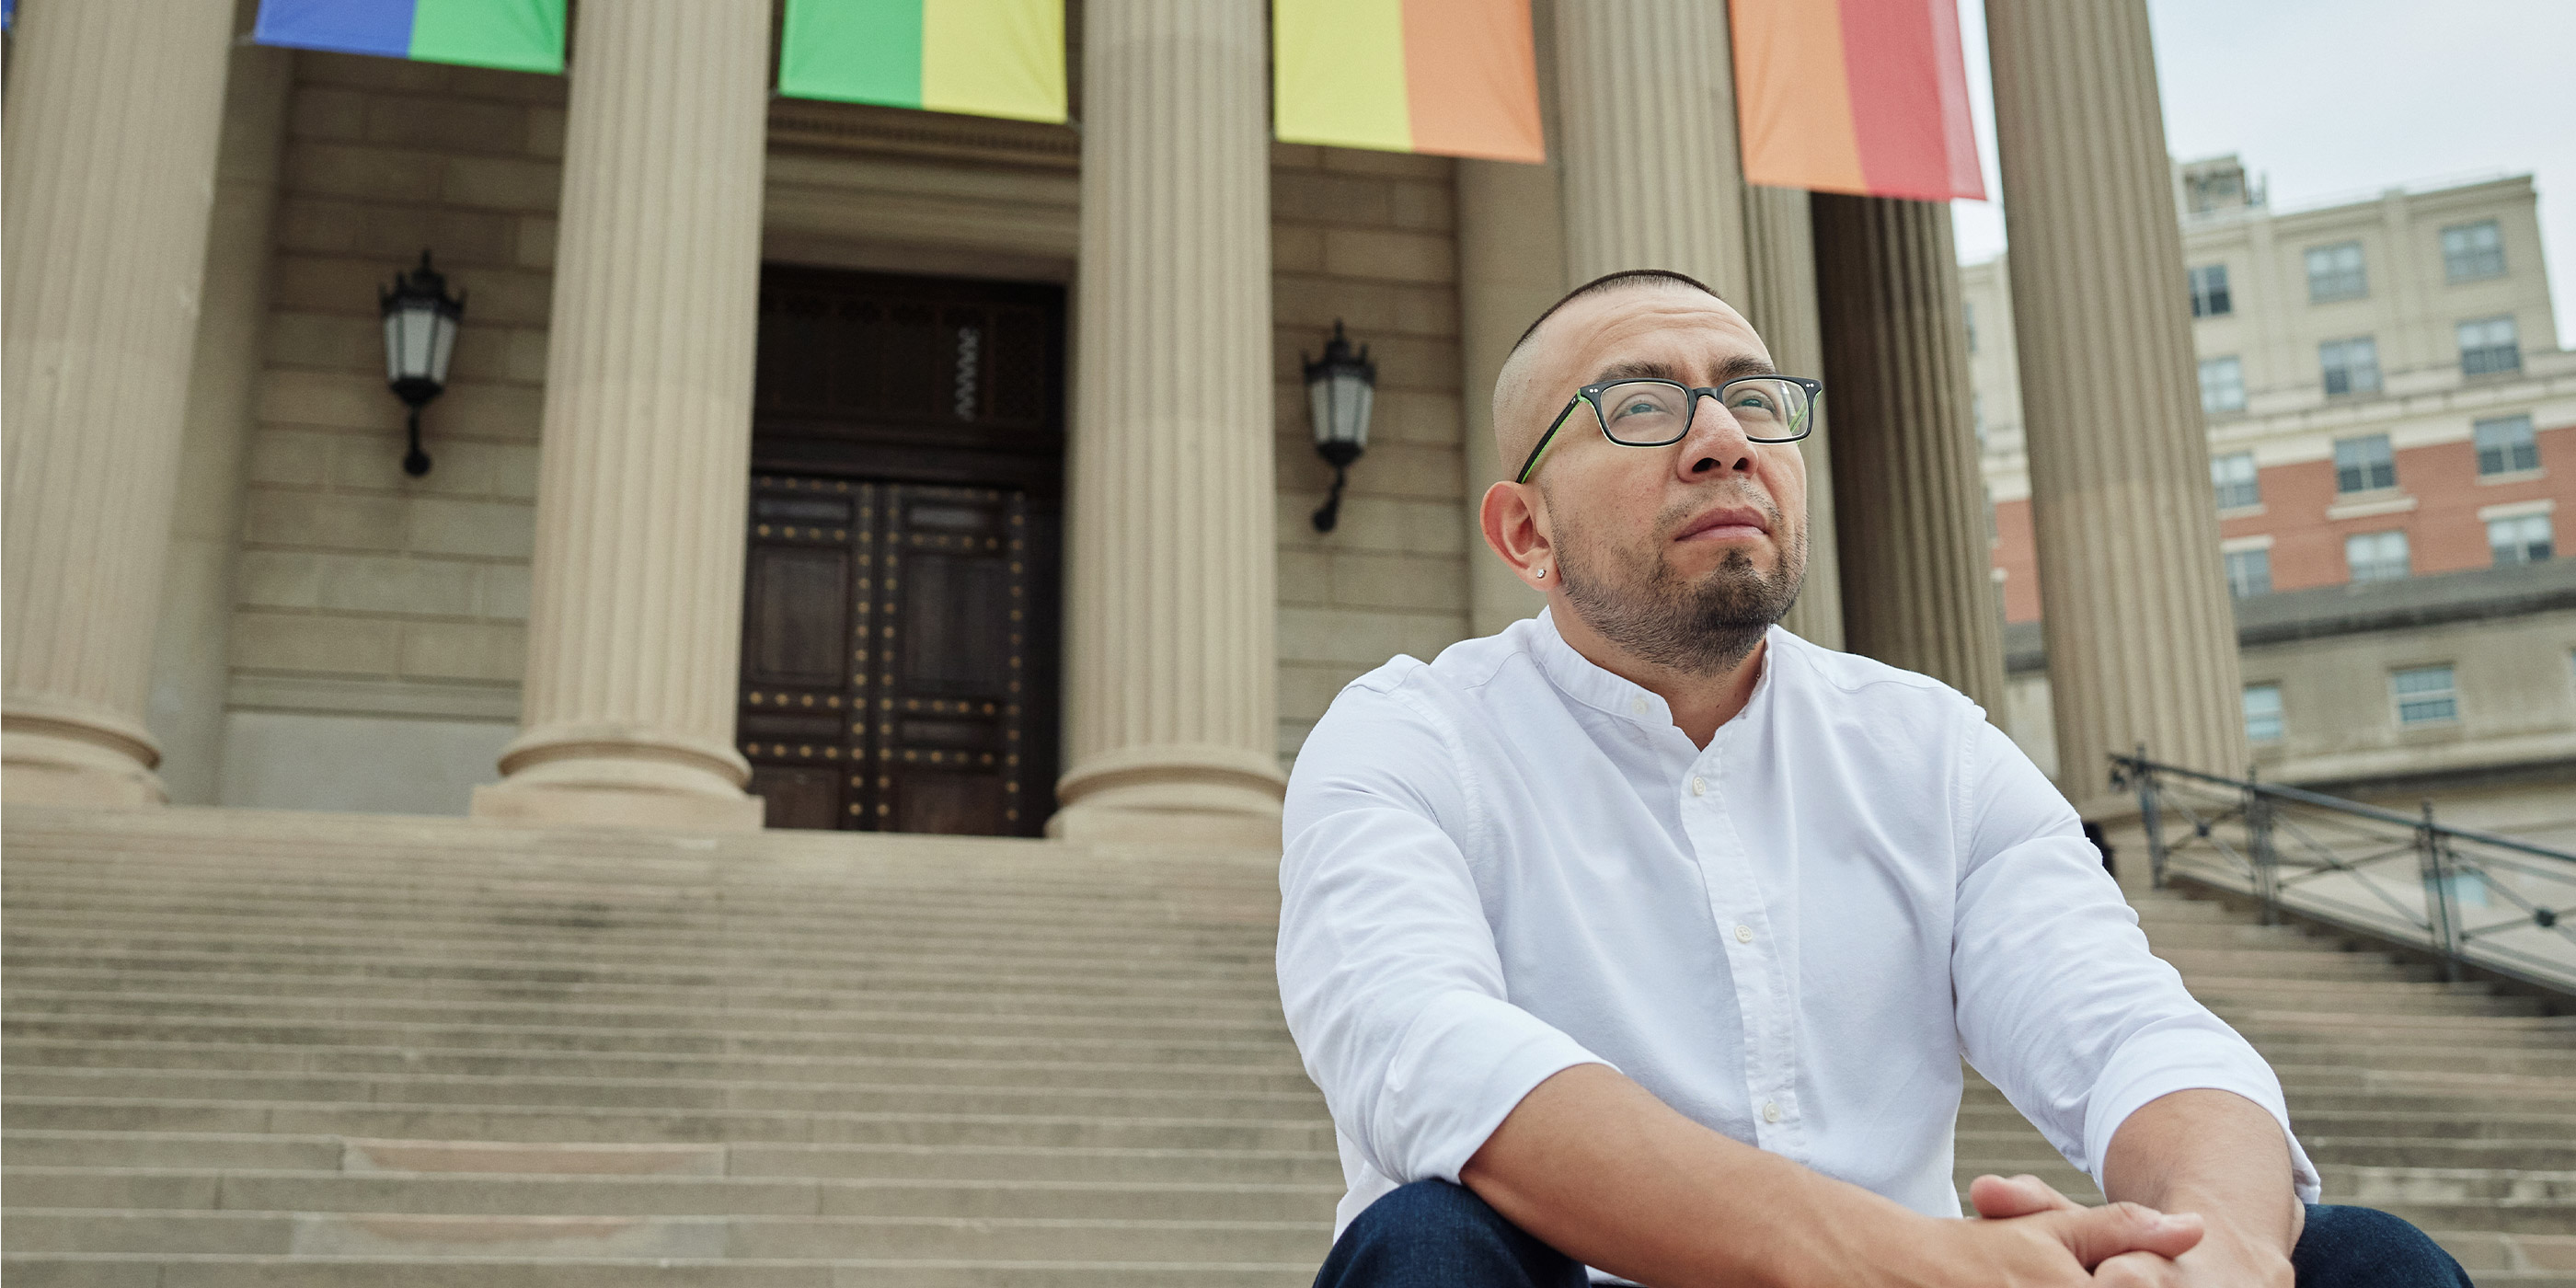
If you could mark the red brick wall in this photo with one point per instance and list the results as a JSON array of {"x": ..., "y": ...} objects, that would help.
[{"x": 2443, "y": 533}]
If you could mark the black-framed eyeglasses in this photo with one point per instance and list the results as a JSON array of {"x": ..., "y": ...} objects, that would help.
[{"x": 1641, "y": 412}]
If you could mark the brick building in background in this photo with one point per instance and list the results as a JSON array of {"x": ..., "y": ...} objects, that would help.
[{"x": 2392, "y": 442}]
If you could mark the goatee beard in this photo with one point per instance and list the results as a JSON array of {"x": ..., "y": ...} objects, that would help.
[{"x": 1698, "y": 629}]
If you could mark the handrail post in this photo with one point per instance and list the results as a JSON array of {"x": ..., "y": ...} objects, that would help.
[
  {"x": 2258, "y": 841},
  {"x": 2152, "y": 818},
  {"x": 2438, "y": 894}
]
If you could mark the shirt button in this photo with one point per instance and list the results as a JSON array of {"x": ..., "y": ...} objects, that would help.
[
  {"x": 1699, "y": 786},
  {"x": 1744, "y": 934},
  {"x": 1637, "y": 706},
  {"x": 1770, "y": 1111}
]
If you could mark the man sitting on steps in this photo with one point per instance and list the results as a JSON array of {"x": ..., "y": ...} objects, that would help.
[{"x": 1648, "y": 937}]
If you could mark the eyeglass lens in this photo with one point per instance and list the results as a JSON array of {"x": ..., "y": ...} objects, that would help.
[{"x": 1651, "y": 413}]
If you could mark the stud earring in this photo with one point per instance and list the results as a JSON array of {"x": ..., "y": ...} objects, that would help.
[{"x": 1541, "y": 574}]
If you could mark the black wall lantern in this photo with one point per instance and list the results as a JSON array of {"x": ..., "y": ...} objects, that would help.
[
  {"x": 1339, "y": 390},
  {"x": 420, "y": 336}
]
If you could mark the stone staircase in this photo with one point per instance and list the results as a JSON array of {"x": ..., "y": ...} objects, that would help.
[{"x": 290, "y": 1050}]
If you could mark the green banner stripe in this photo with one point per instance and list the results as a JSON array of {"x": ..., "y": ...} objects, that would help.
[
  {"x": 521, "y": 35},
  {"x": 858, "y": 51}
]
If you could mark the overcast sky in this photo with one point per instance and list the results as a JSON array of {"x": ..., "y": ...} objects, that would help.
[{"x": 2342, "y": 98}]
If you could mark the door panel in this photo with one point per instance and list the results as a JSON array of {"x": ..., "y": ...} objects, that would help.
[{"x": 899, "y": 625}]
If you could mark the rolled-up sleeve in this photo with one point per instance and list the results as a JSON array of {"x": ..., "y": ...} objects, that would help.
[
  {"x": 1387, "y": 966},
  {"x": 2060, "y": 1003}
]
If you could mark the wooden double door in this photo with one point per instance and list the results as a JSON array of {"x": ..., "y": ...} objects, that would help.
[{"x": 900, "y": 614}]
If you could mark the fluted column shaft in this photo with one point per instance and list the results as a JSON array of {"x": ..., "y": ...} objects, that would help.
[
  {"x": 1780, "y": 302},
  {"x": 113, "y": 113},
  {"x": 634, "y": 631},
  {"x": 1647, "y": 103},
  {"x": 1917, "y": 588},
  {"x": 1172, "y": 704},
  {"x": 2141, "y": 639}
]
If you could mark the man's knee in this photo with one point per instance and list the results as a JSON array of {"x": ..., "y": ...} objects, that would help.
[
  {"x": 1434, "y": 1233},
  {"x": 2359, "y": 1247}
]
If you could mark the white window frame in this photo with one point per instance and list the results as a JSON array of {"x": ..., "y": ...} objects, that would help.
[
  {"x": 2489, "y": 346},
  {"x": 2337, "y": 357},
  {"x": 2524, "y": 444},
  {"x": 2337, "y": 280},
  {"x": 2447, "y": 696},
  {"x": 2466, "y": 263},
  {"x": 2222, "y": 384},
  {"x": 2378, "y": 564},
  {"x": 2279, "y": 714},
  {"x": 2232, "y": 490},
  {"x": 2369, "y": 468}
]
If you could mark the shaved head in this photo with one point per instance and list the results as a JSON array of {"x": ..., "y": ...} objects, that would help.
[{"x": 1521, "y": 402}]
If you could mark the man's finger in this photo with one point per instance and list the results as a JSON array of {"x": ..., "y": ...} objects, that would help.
[
  {"x": 2137, "y": 1270},
  {"x": 2096, "y": 1235},
  {"x": 1997, "y": 1198}
]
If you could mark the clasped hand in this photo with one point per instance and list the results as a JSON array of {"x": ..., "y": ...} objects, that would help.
[{"x": 2029, "y": 1234}]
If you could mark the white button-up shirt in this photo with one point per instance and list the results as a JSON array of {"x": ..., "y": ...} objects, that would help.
[{"x": 1510, "y": 861}]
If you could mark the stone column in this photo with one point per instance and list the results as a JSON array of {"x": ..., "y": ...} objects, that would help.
[
  {"x": 1171, "y": 706},
  {"x": 1909, "y": 508},
  {"x": 190, "y": 671},
  {"x": 2141, "y": 639},
  {"x": 1648, "y": 107},
  {"x": 634, "y": 631},
  {"x": 1780, "y": 301},
  {"x": 112, "y": 118}
]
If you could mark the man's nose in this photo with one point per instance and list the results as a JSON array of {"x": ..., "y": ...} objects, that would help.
[{"x": 1716, "y": 441}]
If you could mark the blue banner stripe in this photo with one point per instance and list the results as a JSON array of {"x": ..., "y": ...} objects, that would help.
[{"x": 344, "y": 26}]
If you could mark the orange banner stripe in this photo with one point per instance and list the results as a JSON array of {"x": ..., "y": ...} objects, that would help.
[
  {"x": 1793, "y": 96},
  {"x": 1471, "y": 79}
]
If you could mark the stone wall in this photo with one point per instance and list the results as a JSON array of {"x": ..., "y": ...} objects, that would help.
[
  {"x": 1368, "y": 238},
  {"x": 378, "y": 627},
  {"x": 364, "y": 596}
]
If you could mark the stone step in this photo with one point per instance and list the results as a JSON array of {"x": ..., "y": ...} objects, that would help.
[
  {"x": 854, "y": 1019},
  {"x": 547, "y": 1124},
  {"x": 1995, "y": 1143},
  {"x": 671, "y": 1094},
  {"x": 256, "y": 1152},
  {"x": 1265, "y": 1052},
  {"x": 132, "y": 1270},
  {"x": 29, "y": 1053},
  {"x": 898, "y": 972},
  {"x": 951, "y": 999},
  {"x": 326, "y": 1234},
  {"x": 466, "y": 1193}
]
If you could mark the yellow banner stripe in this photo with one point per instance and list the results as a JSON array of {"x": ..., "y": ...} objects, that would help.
[
  {"x": 994, "y": 58},
  {"x": 1338, "y": 73}
]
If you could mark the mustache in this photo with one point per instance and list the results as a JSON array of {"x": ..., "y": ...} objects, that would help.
[{"x": 1687, "y": 509}]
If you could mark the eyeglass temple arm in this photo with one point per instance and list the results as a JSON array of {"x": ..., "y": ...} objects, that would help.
[{"x": 1547, "y": 438}]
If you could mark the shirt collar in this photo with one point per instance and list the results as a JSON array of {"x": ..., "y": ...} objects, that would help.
[{"x": 1579, "y": 678}]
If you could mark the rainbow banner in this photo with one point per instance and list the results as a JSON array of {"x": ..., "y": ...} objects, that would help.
[
  {"x": 980, "y": 57},
  {"x": 1453, "y": 77},
  {"x": 521, "y": 35},
  {"x": 1864, "y": 96}
]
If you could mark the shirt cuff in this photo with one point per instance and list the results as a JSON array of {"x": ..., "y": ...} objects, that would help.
[
  {"x": 2187, "y": 1061},
  {"x": 1465, "y": 1063}
]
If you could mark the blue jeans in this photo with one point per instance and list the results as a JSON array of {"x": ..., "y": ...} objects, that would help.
[{"x": 1432, "y": 1234}]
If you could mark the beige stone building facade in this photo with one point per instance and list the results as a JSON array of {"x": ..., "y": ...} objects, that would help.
[{"x": 223, "y": 588}]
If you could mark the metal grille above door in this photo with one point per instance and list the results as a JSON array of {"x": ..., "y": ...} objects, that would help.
[{"x": 899, "y": 616}]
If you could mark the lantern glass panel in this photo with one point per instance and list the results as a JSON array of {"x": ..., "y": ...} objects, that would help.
[
  {"x": 393, "y": 345},
  {"x": 442, "y": 345},
  {"x": 1352, "y": 397},
  {"x": 419, "y": 336}
]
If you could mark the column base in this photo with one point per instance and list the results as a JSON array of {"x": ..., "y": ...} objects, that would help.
[
  {"x": 1195, "y": 795},
  {"x": 64, "y": 755},
  {"x": 604, "y": 778}
]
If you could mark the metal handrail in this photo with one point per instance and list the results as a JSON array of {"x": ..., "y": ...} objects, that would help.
[{"x": 2320, "y": 857}]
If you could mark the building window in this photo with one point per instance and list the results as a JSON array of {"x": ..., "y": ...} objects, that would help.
[
  {"x": 2334, "y": 273},
  {"x": 2364, "y": 464},
  {"x": 2376, "y": 556},
  {"x": 2222, "y": 384},
  {"x": 2249, "y": 573},
  {"x": 2262, "y": 713},
  {"x": 2350, "y": 366},
  {"x": 2506, "y": 446},
  {"x": 2522, "y": 539},
  {"x": 2234, "y": 478},
  {"x": 1968, "y": 311},
  {"x": 2209, "y": 297},
  {"x": 2472, "y": 251},
  {"x": 2488, "y": 346},
  {"x": 2425, "y": 695}
]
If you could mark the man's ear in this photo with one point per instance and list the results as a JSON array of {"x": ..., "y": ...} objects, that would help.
[{"x": 1514, "y": 518}]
